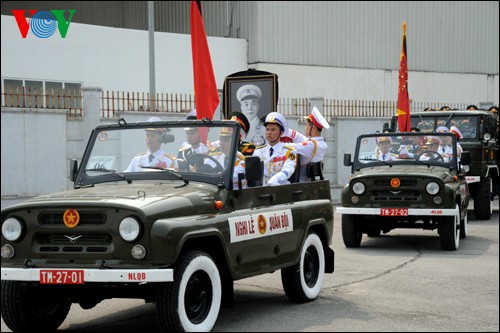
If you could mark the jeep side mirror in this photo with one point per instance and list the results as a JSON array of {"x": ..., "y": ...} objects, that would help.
[
  {"x": 73, "y": 169},
  {"x": 465, "y": 158},
  {"x": 254, "y": 171},
  {"x": 347, "y": 160}
]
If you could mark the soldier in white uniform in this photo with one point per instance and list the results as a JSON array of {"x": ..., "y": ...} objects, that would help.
[
  {"x": 280, "y": 160},
  {"x": 313, "y": 148},
  {"x": 444, "y": 148},
  {"x": 249, "y": 97},
  {"x": 432, "y": 153},
  {"x": 154, "y": 157},
  {"x": 222, "y": 157},
  {"x": 192, "y": 144},
  {"x": 382, "y": 152}
]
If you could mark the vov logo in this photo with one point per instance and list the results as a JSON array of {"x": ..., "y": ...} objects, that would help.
[{"x": 43, "y": 24}]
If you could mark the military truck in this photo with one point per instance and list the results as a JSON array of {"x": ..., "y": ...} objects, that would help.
[
  {"x": 479, "y": 129},
  {"x": 175, "y": 232},
  {"x": 395, "y": 186}
]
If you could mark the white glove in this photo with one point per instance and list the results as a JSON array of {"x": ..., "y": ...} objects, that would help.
[{"x": 278, "y": 179}]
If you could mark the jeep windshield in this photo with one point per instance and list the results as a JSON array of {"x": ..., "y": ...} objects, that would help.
[
  {"x": 190, "y": 150},
  {"x": 429, "y": 149}
]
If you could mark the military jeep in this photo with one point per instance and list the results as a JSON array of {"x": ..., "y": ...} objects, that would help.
[
  {"x": 479, "y": 129},
  {"x": 414, "y": 189},
  {"x": 177, "y": 233}
]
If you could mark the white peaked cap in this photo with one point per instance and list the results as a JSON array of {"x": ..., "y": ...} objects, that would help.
[{"x": 317, "y": 119}]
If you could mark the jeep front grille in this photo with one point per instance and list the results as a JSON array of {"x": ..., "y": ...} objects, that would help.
[
  {"x": 72, "y": 243},
  {"x": 396, "y": 196}
]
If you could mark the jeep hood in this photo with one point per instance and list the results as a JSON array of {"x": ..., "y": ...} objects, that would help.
[{"x": 149, "y": 197}]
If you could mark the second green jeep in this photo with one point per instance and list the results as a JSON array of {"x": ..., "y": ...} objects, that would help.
[{"x": 403, "y": 180}]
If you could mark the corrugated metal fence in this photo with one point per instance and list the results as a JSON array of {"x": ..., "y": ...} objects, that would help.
[{"x": 115, "y": 102}]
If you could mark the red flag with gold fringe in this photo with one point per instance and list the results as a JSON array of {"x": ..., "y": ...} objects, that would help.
[{"x": 403, "y": 106}]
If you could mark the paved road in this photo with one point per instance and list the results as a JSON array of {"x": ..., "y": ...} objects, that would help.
[{"x": 401, "y": 281}]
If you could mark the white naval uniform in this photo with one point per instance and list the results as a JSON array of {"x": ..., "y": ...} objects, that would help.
[
  {"x": 280, "y": 166},
  {"x": 160, "y": 159},
  {"x": 311, "y": 150}
]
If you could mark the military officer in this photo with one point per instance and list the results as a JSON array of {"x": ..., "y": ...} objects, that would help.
[
  {"x": 382, "y": 152},
  {"x": 223, "y": 157},
  {"x": 154, "y": 157},
  {"x": 245, "y": 147},
  {"x": 280, "y": 160},
  {"x": 249, "y": 96},
  {"x": 192, "y": 144},
  {"x": 313, "y": 148}
]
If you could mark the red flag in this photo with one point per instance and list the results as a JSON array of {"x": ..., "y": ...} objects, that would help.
[
  {"x": 403, "y": 108},
  {"x": 206, "y": 96}
]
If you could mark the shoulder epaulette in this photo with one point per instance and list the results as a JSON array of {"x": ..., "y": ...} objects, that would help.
[
  {"x": 141, "y": 153},
  {"x": 288, "y": 147},
  {"x": 185, "y": 148},
  {"x": 215, "y": 153},
  {"x": 261, "y": 146}
]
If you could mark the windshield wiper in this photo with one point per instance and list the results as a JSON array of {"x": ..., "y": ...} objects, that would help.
[
  {"x": 110, "y": 171},
  {"x": 179, "y": 176}
]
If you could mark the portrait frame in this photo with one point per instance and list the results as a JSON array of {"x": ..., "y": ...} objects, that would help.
[{"x": 267, "y": 84}]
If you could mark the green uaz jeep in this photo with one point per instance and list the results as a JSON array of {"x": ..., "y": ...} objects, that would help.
[
  {"x": 172, "y": 228},
  {"x": 405, "y": 180}
]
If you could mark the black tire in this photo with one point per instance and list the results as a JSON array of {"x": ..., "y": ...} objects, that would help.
[
  {"x": 482, "y": 199},
  {"x": 192, "y": 302},
  {"x": 450, "y": 232},
  {"x": 351, "y": 234},
  {"x": 302, "y": 282},
  {"x": 464, "y": 223},
  {"x": 26, "y": 310}
]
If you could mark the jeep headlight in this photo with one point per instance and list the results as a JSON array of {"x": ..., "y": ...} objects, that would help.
[
  {"x": 12, "y": 229},
  {"x": 358, "y": 188},
  {"x": 129, "y": 229},
  {"x": 487, "y": 136},
  {"x": 432, "y": 188}
]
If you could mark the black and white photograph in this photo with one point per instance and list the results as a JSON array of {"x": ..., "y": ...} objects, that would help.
[{"x": 255, "y": 96}]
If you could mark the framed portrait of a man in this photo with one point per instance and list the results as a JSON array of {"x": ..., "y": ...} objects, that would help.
[{"x": 255, "y": 96}]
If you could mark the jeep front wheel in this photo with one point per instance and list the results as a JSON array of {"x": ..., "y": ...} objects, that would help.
[
  {"x": 192, "y": 302},
  {"x": 450, "y": 232},
  {"x": 482, "y": 199},
  {"x": 27, "y": 310},
  {"x": 350, "y": 231},
  {"x": 302, "y": 282}
]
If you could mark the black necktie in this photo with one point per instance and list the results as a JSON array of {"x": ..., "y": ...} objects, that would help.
[
  {"x": 383, "y": 157},
  {"x": 442, "y": 149},
  {"x": 151, "y": 158},
  {"x": 271, "y": 151},
  {"x": 226, "y": 159}
]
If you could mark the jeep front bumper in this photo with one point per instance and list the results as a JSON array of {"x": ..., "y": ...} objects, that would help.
[{"x": 411, "y": 211}]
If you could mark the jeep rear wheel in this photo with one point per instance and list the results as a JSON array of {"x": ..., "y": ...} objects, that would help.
[
  {"x": 25, "y": 310},
  {"x": 192, "y": 302},
  {"x": 351, "y": 233},
  {"x": 482, "y": 199},
  {"x": 302, "y": 282},
  {"x": 450, "y": 232}
]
